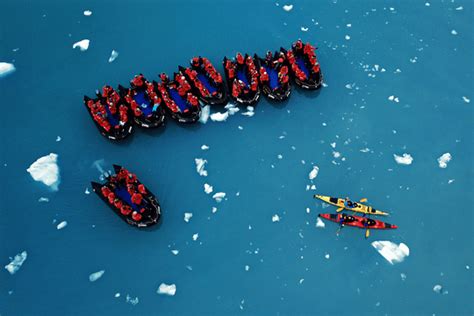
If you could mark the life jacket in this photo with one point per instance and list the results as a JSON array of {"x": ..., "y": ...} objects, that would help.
[
  {"x": 105, "y": 191},
  {"x": 111, "y": 197},
  {"x": 137, "y": 198},
  {"x": 118, "y": 204},
  {"x": 136, "y": 216},
  {"x": 141, "y": 189},
  {"x": 125, "y": 210}
]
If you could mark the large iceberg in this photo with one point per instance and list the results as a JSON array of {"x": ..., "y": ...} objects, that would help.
[
  {"x": 392, "y": 252},
  {"x": 46, "y": 170},
  {"x": 6, "y": 68},
  {"x": 167, "y": 289},
  {"x": 16, "y": 263}
]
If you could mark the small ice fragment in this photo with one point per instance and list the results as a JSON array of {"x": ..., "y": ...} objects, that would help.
[
  {"x": 301, "y": 281},
  {"x": 333, "y": 145},
  {"x": 459, "y": 8},
  {"x": 195, "y": 236},
  {"x": 16, "y": 262},
  {"x": 83, "y": 45},
  {"x": 336, "y": 154},
  {"x": 165, "y": 289},
  {"x": 130, "y": 300},
  {"x": 58, "y": 138},
  {"x": 249, "y": 113},
  {"x": 61, "y": 225},
  {"x": 240, "y": 127},
  {"x": 427, "y": 4},
  {"x": 313, "y": 173},
  {"x": 454, "y": 32},
  {"x": 175, "y": 252},
  {"x": 87, "y": 12},
  {"x": 87, "y": 191},
  {"x": 204, "y": 147},
  {"x": 6, "y": 69},
  {"x": 450, "y": 181},
  {"x": 219, "y": 196},
  {"x": 403, "y": 276},
  {"x": 308, "y": 210},
  {"x": 275, "y": 218},
  {"x": 117, "y": 295},
  {"x": 349, "y": 25},
  {"x": 205, "y": 111},
  {"x": 320, "y": 223},
  {"x": 444, "y": 159},
  {"x": 113, "y": 55},
  {"x": 247, "y": 268},
  {"x": 43, "y": 199},
  {"x": 219, "y": 117},
  {"x": 214, "y": 209},
  {"x": 46, "y": 170},
  {"x": 392, "y": 252},
  {"x": 208, "y": 188},
  {"x": 96, "y": 275},
  {"x": 288, "y": 7},
  {"x": 405, "y": 159},
  {"x": 327, "y": 256},
  {"x": 280, "y": 156},
  {"x": 347, "y": 37},
  {"x": 466, "y": 99},
  {"x": 304, "y": 29},
  {"x": 187, "y": 217},
  {"x": 438, "y": 288},
  {"x": 200, "y": 164},
  {"x": 365, "y": 150}
]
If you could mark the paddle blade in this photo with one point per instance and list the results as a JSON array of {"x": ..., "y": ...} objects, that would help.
[
  {"x": 367, "y": 233},
  {"x": 363, "y": 200},
  {"x": 339, "y": 209}
]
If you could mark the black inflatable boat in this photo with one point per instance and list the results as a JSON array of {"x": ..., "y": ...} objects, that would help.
[
  {"x": 242, "y": 79},
  {"x": 304, "y": 65},
  {"x": 274, "y": 77}
]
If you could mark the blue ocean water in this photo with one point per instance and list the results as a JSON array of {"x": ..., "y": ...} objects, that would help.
[{"x": 242, "y": 262}]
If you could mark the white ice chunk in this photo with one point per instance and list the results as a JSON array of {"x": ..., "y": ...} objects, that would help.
[
  {"x": 88, "y": 13},
  {"x": 231, "y": 108},
  {"x": 320, "y": 223},
  {"x": 113, "y": 55},
  {"x": 275, "y": 218},
  {"x": 327, "y": 256},
  {"x": 46, "y": 170},
  {"x": 205, "y": 111},
  {"x": 219, "y": 117},
  {"x": 200, "y": 164},
  {"x": 83, "y": 45},
  {"x": 61, "y": 225},
  {"x": 43, "y": 199},
  {"x": 175, "y": 252},
  {"x": 466, "y": 99},
  {"x": 16, "y": 262},
  {"x": 438, "y": 288},
  {"x": 117, "y": 295},
  {"x": 195, "y": 236},
  {"x": 214, "y": 209},
  {"x": 208, "y": 188},
  {"x": 58, "y": 138},
  {"x": 219, "y": 196},
  {"x": 459, "y": 8},
  {"x": 454, "y": 32},
  {"x": 288, "y": 7},
  {"x": 392, "y": 252},
  {"x": 313, "y": 173},
  {"x": 204, "y": 147},
  {"x": 187, "y": 217},
  {"x": 347, "y": 37},
  {"x": 304, "y": 29},
  {"x": 96, "y": 275},
  {"x": 250, "y": 111},
  {"x": 6, "y": 69},
  {"x": 86, "y": 191},
  {"x": 165, "y": 289},
  {"x": 130, "y": 300},
  {"x": 405, "y": 159},
  {"x": 444, "y": 159}
]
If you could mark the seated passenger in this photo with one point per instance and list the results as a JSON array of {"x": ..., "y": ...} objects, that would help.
[
  {"x": 240, "y": 59},
  {"x": 137, "y": 198},
  {"x": 136, "y": 216},
  {"x": 125, "y": 210}
]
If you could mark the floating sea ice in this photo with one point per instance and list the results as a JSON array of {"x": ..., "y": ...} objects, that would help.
[
  {"x": 327, "y": 256},
  {"x": 219, "y": 117},
  {"x": 83, "y": 45},
  {"x": 113, "y": 55},
  {"x": 394, "y": 99},
  {"x": 130, "y": 300},
  {"x": 466, "y": 99},
  {"x": 403, "y": 276},
  {"x": 219, "y": 196},
  {"x": 392, "y": 252},
  {"x": 364, "y": 150},
  {"x": 313, "y": 173},
  {"x": 320, "y": 223},
  {"x": 16, "y": 263},
  {"x": 214, "y": 209},
  {"x": 454, "y": 32},
  {"x": 87, "y": 13},
  {"x": 165, "y": 289},
  {"x": 438, "y": 288},
  {"x": 187, "y": 217},
  {"x": 58, "y": 139},
  {"x": 43, "y": 199},
  {"x": 208, "y": 188},
  {"x": 195, "y": 236},
  {"x": 175, "y": 252},
  {"x": 86, "y": 191},
  {"x": 200, "y": 164},
  {"x": 46, "y": 170},
  {"x": 459, "y": 8},
  {"x": 347, "y": 37},
  {"x": 61, "y": 225},
  {"x": 275, "y": 218},
  {"x": 288, "y": 7},
  {"x": 247, "y": 267},
  {"x": 250, "y": 111},
  {"x": 450, "y": 181},
  {"x": 205, "y": 111},
  {"x": 204, "y": 147},
  {"x": 6, "y": 69},
  {"x": 444, "y": 159},
  {"x": 96, "y": 275},
  {"x": 405, "y": 159},
  {"x": 304, "y": 29},
  {"x": 117, "y": 295}
]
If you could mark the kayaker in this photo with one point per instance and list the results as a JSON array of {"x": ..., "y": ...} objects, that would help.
[{"x": 348, "y": 202}]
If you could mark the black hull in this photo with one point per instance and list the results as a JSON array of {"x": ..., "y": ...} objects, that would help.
[
  {"x": 154, "y": 209},
  {"x": 308, "y": 84}
]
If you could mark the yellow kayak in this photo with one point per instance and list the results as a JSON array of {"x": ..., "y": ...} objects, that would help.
[{"x": 356, "y": 206}]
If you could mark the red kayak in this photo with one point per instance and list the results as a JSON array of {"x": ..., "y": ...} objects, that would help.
[{"x": 357, "y": 221}]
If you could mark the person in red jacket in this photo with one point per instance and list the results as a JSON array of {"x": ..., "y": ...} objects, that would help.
[
  {"x": 117, "y": 203},
  {"x": 141, "y": 189},
  {"x": 136, "y": 216},
  {"x": 138, "y": 80},
  {"x": 111, "y": 197},
  {"x": 105, "y": 191},
  {"x": 125, "y": 210},
  {"x": 263, "y": 75},
  {"x": 240, "y": 59},
  {"x": 137, "y": 198}
]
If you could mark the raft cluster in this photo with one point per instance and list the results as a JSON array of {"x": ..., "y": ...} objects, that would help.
[{"x": 147, "y": 103}]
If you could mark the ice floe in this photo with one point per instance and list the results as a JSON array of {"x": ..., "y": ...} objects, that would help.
[
  {"x": 405, "y": 159},
  {"x": 347, "y": 37},
  {"x": 204, "y": 147},
  {"x": 83, "y": 45},
  {"x": 200, "y": 165},
  {"x": 454, "y": 32},
  {"x": 392, "y": 252},
  {"x": 288, "y": 7},
  {"x": 195, "y": 236},
  {"x": 165, "y": 289},
  {"x": 16, "y": 262},
  {"x": 87, "y": 12},
  {"x": 403, "y": 276},
  {"x": 214, "y": 209},
  {"x": 275, "y": 218},
  {"x": 231, "y": 108},
  {"x": 394, "y": 99},
  {"x": 313, "y": 173},
  {"x": 117, "y": 295},
  {"x": 205, "y": 112},
  {"x": 208, "y": 188},
  {"x": 466, "y": 99},
  {"x": 113, "y": 55},
  {"x": 438, "y": 288},
  {"x": 86, "y": 191},
  {"x": 250, "y": 111},
  {"x": 219, "y": 117},
  {"x": 187, "y": 217},
  {"x": 304, "y": 29},
  {"x": 46, "y": 170},
  {"x": 175, "y": 252},
  {"x": 43, "y": 199},
  {"x": 6, "y": 69},
  {"x": 444, "y": 159},
  {"x": 327, "y": 256},
  {"x": 96, "y": 275},
  {"x": 320, "y": 223},
  {"x": 61, "y": 225},
  {"x": 130, "y": 300},
  {"x": 58, "y": 138},
  {"x": 219, "y": 196}
]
